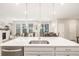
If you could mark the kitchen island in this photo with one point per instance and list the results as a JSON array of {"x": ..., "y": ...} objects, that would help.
[{"x": 57, "y": 46}]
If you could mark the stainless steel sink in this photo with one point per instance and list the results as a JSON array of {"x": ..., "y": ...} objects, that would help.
[{"x": 39, "y": 42}]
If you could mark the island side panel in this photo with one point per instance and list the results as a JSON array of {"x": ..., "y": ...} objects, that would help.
[{"x": 38, "y": 51}]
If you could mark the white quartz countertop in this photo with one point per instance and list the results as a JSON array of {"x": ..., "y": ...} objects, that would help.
[{"x": 53, "y": 41}]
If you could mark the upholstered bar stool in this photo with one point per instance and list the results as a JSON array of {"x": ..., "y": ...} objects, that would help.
[{"x": 12, "y": 51}]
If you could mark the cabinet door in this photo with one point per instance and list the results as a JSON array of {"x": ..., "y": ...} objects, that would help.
[
  {"x": 38, "y": 53},
  {"x": 67, "y": 53},
  {"x": 61, "y": 29},
  {"x": 72, "y": 29},
  {"x": 74, "y": 53},
  {"x": 31, "y": 53},
  {"x": 62, "y": 54},
  {"x": 38, "y": 49},
  {"x": 65, "y": 49}
]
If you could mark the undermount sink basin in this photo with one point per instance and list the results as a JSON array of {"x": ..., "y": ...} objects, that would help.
[{"x": 38, "y": 42}]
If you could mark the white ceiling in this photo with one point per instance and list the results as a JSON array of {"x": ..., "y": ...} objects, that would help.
[
  {"x": 8, "y": 10},
  {"x": 67, "y": 10},
  {"x": 37, "y": 10}
]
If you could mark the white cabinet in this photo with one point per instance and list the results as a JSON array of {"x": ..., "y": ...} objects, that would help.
[
  {"x": 67, "y": 51},
  {"x": 76, "y": 49},
  {"x": 68, "y": 28},
  {"x": 38, "y": 51},
  {"x": 38, "y": 48},
  {"x": 51, "y": 51},
  {"x": 61, "y": 29},
  {"x": 62, "y": 54}
]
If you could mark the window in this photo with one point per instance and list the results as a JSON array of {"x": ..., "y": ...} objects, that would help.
[
  {"x": 44, "y": 28},
  {"x": 18, "y": 29},
  {"x": 30, "y": 28},
  {"x": 24, "y": 29}
]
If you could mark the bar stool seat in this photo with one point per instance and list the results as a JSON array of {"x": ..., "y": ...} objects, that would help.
[{"x": 11, "y": 50}]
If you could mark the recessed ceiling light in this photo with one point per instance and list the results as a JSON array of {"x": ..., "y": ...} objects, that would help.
[
  {"x": 61, "y": 3},
  {"x": 17, "y": 3}
]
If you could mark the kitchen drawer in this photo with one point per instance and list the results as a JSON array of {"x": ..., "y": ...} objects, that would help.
[
  {"x": 67, "y": 53},
  {"x": 61, "y": 54},
  {"x": 74, "y": 53},
  {"x": 67, "y": 49},
  {"x": 38, "y": 49},
  {"x": 38, "y": 53}
]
